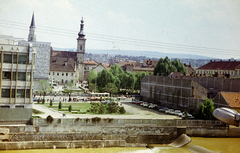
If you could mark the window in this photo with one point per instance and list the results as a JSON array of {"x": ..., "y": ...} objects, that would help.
[
  {"x": 6, "y": 93},
  {"x": 72, "y": 73},
  {"x": 57, "y": 74},
  {"x": 13, "y": 93},
  {"x": 62, "y": 81},
  {"x": 6, "y": 75},
  {"x": 20, "y": 93},
  {"x": 15, "y": 59},
  {"x": 22, "y": 59},
  {"x": 66, "y": 74},
  {"x": 27, "y": 93},
  {"x": 5, "y": 106},
  {"x": 49, "y": 73},
  {"x": 22, "y": 76},
  {"x": 53, "y": 73},
  {"x": 80, "y": 47},
  {"x": 66, "y": 81},
  {"x": 62, "y": 74},
  {"x": 7, "y": 58},
  {"x": 28, "y": 76},
  {"x": 19, "y": 106}
]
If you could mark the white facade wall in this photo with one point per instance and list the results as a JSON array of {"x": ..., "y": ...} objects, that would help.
[
  {"x": 233, "y": 73},
  {"x": 62, "y": 77},
  {"x": 99, "y": 68},
  {"x": 42, "y": 59}
]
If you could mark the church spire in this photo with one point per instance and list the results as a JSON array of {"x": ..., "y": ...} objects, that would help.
[
  {"x": 81, "y": 34},
  {"x": 31, "y": 35},
  {"x": 33, "y": 21}
]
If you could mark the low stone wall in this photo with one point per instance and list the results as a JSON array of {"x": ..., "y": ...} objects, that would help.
[{"x": 126, "y": 122}]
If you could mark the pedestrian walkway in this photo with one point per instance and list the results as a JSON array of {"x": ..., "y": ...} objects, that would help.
[{"x": 49, "y": 111}]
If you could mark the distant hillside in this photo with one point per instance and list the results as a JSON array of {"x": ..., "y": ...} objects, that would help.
[{"x": 150, "y": 54}]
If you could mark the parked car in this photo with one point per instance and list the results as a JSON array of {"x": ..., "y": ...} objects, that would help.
[
  {"x": 169, "y": 111},
  {"x": 139, "y": 102},
  {"x": 145, "y": 104},
  {"x": 152, "y": 106},
  {"x": 176, "y": 112},
  {"x": 163, "y": 109},
  {"x": 189, "y": 116},
  {"x": 35, "y": 99}
]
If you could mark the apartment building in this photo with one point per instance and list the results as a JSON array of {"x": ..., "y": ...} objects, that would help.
[{"x": 16, "y": 82}]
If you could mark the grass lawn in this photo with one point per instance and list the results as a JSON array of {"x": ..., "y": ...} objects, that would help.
[
  {"x": 35, "y": 112},
  {"x": 75, "y": 108}
]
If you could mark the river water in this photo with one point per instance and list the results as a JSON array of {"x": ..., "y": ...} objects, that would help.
[{"x": 198, "y": 145}]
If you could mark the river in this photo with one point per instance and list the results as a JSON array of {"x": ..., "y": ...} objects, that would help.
[{"x": 198, "y": 145}]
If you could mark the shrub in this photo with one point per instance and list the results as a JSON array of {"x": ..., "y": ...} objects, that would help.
[
  {"x": 51, "y": 102},
  {"x": 113, "y": 107},
  {"x": 38, "y": 101},
  {"x": 101, "y": 109},
  {"x": 70, "y": 108},
  {"x": 96, "y": 119},
  {"x": 59, "y": 121},
  {"x": 60, "y": 105},
  {"x": 122, "y": 110},
  {"x": 43, "y": 101},
  {"x": 49, "y": 119}
]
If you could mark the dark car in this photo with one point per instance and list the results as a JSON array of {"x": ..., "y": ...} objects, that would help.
[{"x": 35, "y": 99}]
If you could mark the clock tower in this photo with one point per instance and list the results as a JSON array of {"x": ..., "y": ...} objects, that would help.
[{"x": 81, "y": 51}]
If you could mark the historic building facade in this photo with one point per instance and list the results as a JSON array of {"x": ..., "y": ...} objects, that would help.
[
  {"x": 232, "y": 68},
  {"x": 17, "y": 67},
  {"x": 66, "y": 66}
]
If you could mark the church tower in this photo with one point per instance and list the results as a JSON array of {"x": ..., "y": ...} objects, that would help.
[
  {"x": 31, "y": 35},
  {"x": 81, "y": 51}
]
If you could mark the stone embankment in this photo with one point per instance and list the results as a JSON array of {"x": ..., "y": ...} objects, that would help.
[{"x": 97, "y": 132}]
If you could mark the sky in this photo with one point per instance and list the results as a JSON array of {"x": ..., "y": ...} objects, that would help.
[{"x": 198, "y": 27}]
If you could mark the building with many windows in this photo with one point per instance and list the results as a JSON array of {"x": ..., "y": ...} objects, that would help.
[
  {"x": 232, "y": 68},
  {"x": 16, "y": 82}
]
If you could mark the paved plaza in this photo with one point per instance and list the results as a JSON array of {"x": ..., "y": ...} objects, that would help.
[{"x": 134, "y": 111}]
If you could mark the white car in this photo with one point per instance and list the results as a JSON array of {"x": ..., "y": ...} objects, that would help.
[
  {"x": 145, "y": 104},
  {"x": 169, "y": 111},
  {"x": 152, "y": 106},
  {"x": 176, "y": 112}
]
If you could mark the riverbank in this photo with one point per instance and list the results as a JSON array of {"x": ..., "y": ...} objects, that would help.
[{"x": 97, "y": 132}]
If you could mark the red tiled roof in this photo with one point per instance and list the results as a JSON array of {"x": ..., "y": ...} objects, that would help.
[
  {"x": 232, "y": 98},
  {"x": 221, "y": 65},
  {"x": 65, "y": 54},
  {"x": 91, "y": 62}
]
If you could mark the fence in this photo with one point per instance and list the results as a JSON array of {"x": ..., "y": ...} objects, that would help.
[{"x": 125, "y": 122}]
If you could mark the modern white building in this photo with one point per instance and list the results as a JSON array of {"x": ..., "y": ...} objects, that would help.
[{"x": 16, "y": 82}]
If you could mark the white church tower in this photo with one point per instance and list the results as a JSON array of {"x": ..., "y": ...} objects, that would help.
[
  {"x": 81, "y": 51},
  {"x": 32, "y": 35}
]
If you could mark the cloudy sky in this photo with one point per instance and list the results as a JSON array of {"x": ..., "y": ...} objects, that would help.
[{"x": 204, "y": 27}]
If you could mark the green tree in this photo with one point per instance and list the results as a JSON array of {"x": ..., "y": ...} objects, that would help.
[
  {"x": 165, "y": 66},
  {"x": 104, "y": 77},
  {"x": 44, "y": 87},
  {"x": 205, "y": 110},
  {"x": 110, "y": 88},
  {"x": 101, "y": 109},
  {"x": 43, "y": 101},
  {"x": 70, "y": 108},
  {"x": 60, "y": 105},
  {"x": 113, "y": 107},
  {"x": 70, "y": 88},
  {"x": 51, "y": 102}
]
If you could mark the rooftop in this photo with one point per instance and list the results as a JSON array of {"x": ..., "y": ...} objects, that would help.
[
  {"x": 232, "y": 98},
  {"x": 221, "y": 65}
]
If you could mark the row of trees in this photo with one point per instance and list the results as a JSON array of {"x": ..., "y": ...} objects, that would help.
[
  {"x": 165, "y": 66},
  {"x": 115, "y": 79},
  {"x": 101, "y": 108}
]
